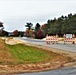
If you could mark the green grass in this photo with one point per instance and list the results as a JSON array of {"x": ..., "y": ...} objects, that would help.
[
  {"x": 28, "y": 54},
  {"x": 23, "y": 54}
]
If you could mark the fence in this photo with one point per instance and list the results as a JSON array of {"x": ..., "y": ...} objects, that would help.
[
  {"x": 51, "y": 39},
  {"x": 72, "y": 40}
]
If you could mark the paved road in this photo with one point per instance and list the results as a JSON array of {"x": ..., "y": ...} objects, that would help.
[
  {"x": 60, "y": 45},
  {"x": 63, "y": 71}
]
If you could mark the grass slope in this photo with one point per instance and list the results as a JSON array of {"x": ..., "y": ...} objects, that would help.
[
  {"x": 23, "y": 54},
  {"x": 5, "y": 55},
  {"x": 28, "y": 54}
]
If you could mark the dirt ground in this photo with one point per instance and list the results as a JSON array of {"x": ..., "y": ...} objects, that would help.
[{"x": 54, "y": 64}]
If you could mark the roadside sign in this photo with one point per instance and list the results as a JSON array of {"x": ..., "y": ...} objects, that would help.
[{"x": 68, "y": 35}]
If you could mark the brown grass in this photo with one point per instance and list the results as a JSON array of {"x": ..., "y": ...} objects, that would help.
[{"x": 5, "y": 55}]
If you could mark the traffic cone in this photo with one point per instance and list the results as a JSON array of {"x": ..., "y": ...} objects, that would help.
[{"x": 73, "y": 42}]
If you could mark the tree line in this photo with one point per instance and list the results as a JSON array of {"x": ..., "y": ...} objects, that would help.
[{"x": 61, "y": 25}]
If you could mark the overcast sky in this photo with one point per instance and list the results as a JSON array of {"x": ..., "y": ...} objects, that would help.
[{"x": 15, "y": 13}]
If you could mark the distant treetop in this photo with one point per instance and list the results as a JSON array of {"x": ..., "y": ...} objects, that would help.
[{"x": 1, "y": 24}]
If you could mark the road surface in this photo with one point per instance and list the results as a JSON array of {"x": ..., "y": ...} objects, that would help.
[
  {"x": 63, "y": 71},
  {"x": 60, "y": 45}
]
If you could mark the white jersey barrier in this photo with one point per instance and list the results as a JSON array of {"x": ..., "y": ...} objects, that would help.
[{"x": 51, "y": 39}]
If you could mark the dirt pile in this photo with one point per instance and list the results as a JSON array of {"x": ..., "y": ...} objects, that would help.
[{"x": 12, "y": 41}]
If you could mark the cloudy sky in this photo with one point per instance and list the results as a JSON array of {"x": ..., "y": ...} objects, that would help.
[{"x": 16, "y": 13}]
